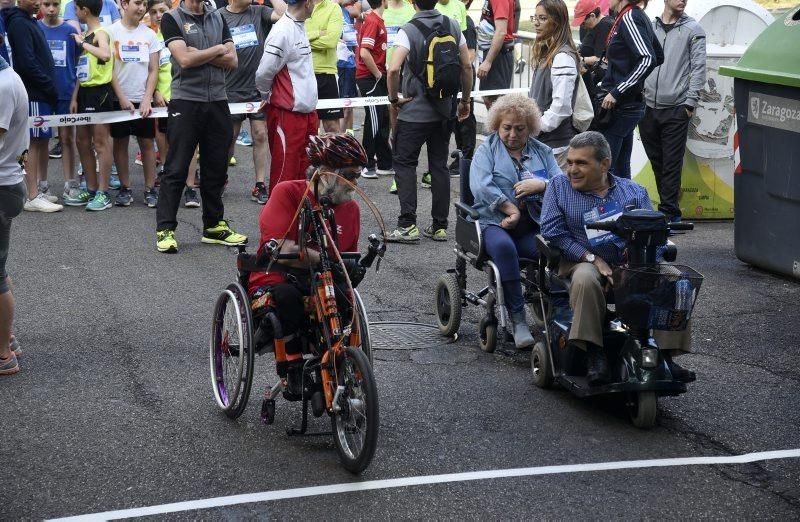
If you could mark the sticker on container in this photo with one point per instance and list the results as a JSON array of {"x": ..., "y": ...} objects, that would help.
[
  {"x": 58, "y": 48},
  {"x": 134, "y": 53},
  {"x": 82, "y": 69},
  {"x": 349, "y": 35},
  {"x": 774, "y": 111},
  {"x": 606, "y": 212},
  {"x": 244, "y": 36}
]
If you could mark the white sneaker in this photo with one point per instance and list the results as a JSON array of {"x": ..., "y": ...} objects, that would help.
[
  {"x": 49, "y": 197},
  {"x": 384, "y": 172},
  {"x": 368, "y": 174},
  {"x": 41, "y": 204}
]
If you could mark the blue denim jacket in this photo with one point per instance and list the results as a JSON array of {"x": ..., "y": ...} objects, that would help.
[{"x": 493, "y": 175}]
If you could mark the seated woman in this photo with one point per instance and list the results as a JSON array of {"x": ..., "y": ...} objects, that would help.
[{"x": 509, "y": 173}]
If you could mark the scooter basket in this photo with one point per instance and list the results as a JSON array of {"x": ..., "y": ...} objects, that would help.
[{"x": 658, "y": 297}]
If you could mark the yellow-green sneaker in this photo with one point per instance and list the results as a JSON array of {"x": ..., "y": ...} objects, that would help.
[
  {"x": 393, "y": 188},
  {"x": 165, "y": 241},
  {"x": 437, "y": 234},
  {"x": 426, "y": 180},
  {"x": 409, "y": 234},
  {"x": 223, "y": 235}
]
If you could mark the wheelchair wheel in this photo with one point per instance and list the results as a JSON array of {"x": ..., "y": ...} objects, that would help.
[
  {"x": 363, "y": 323},
  {"x": 540, "y": 366},
  {"x": 487, "y": 331},
  {"x": 448, "y": 305},
  {"x": 355, "y": 411},
  {"x": 231, "y": 352}
]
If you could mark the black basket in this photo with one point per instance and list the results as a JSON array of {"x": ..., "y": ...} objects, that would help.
[{"x": 658, "y": 297}]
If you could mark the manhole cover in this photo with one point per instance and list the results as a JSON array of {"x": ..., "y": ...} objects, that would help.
[{"x": 406, "y": 336}]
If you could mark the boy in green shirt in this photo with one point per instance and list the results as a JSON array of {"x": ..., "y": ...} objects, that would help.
[
  {"x": 456, "y": 10},
  {"x": 324, "y": 29}
]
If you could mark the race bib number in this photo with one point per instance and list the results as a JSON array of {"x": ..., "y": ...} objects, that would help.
[
  {"x": 349, "y": 35},
  {"x": 536, "y": 174},
  {"x": 163, "y": 56},
  {"x": 244, "y": 36},
  {"x": 134, "y": 53},
  {"x": 606, "y": 212},
  {"x": 391, "y": 34},
  {"x": 58, "y": 48},
  {"x": 82, "y": 69}
]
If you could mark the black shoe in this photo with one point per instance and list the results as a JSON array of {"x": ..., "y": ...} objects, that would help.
[
  {"x": 597, "y": 372},
  {"x": 294, "y": 381},
  {"x": 56, "y": 152},
  {"x": 679, "y": 373}
]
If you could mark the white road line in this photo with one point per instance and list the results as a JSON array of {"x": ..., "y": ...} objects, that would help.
[{"x": 333, "y": 489}]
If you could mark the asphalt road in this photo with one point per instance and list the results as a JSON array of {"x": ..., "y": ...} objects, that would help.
[{"x": 113, "y": 407}]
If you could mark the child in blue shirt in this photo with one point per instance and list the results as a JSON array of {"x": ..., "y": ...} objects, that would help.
[
  {"x": 108, "y": 15},
  {"x": 65, "y": 53}
]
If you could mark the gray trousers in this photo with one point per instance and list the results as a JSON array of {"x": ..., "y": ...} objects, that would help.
[{"x": 588, "y": 302}]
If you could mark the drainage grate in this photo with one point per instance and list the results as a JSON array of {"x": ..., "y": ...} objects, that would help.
[{"x": 405, "y": 336}]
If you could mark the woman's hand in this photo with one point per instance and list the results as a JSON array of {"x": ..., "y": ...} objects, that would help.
[
  {"x": 512, "y": 215},
  {"x": 609, "y": 102},
  {"x": 529, "y": 187}
]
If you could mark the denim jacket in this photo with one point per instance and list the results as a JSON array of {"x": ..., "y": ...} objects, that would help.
[{"x": 493, "y": 175}]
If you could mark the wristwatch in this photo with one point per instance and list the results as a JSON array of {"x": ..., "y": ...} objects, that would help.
[
  {"x": 394, "y": 101},
  {"x": 589, "y": 258}
]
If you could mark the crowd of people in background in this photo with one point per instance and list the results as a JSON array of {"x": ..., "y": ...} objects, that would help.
[{"x": 194, "y": 57}]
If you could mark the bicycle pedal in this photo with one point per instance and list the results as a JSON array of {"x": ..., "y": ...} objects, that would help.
[{"x": 268, "y": 411}]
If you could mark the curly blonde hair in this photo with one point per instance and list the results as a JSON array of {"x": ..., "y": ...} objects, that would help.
[{"x": 519, "y": 105}]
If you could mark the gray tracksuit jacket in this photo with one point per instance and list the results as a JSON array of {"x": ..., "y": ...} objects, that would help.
[{"x": 680, "y": 78}]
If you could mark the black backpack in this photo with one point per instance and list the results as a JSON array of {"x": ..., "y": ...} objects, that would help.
[{"x": 440, "y": 67}]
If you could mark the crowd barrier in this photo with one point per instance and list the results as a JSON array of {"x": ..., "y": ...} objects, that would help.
[{"x": 65, "y": 120}]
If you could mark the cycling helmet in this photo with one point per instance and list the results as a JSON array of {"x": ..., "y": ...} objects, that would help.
[{"x": 336, "y": 151}]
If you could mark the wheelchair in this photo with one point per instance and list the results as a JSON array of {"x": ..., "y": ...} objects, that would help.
[
  {"x": 451, "y": 293},
  {"x": 336, "y": 375}
]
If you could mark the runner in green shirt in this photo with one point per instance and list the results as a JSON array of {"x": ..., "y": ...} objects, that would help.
[
  {"x": 456, "y": 10},
  {"x": 397, "y": 14}
]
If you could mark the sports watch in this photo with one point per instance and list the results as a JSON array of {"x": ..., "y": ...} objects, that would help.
[{"x": 589, "y": 258}]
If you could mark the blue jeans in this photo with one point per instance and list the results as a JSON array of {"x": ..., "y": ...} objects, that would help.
[
  {"x": 505, "y": 247},
  {"x": 620, "y": 137}
]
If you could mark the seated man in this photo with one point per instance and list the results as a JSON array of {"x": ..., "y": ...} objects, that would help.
[
  {"x": 330, "y": 154},
  {"x": 510, "y": 171},
  {"x": 590, "y": 192}
]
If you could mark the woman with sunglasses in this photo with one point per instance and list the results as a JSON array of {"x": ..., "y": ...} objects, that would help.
[
  {"x": 555, "y": 76},
  {"x": 632, "y": 52}
]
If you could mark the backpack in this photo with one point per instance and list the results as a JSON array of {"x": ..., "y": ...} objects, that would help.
[{"x": 440, "y": 67}]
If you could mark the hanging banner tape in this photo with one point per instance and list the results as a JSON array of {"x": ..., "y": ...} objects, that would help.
[{"x": 65, "y": 120}]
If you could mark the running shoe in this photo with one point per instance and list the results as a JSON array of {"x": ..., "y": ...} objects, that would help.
[
  {"x": 165, "y": 241},
  {"x": 393, "y": 188},
  {"x": 244, "y": 139},
  {"x": 124, "y": 197},
  {"x": 101, "y": 201},
  {"x": 426, "y": 180},
  {"x": 439, "y": 234},
  {"x": 151, "y": 198},
  {"x": 76, "y": 197},
  {"x": 384, "y": 172},
  {"x": 9, "y": 366},
  {"x": 190, "y": 198},
  {"x": 56, "y": 152},
  {"x": 41, "y": 204},
  {"x": 351, "y": 132},
  {"x": 138, "y": 159},
  {"x": 368, "y": 173},
  {"x": 44, "y": 192},
  {"x": 409, "y": 234},
  {"x": 232, "y": 161},
  {"x": 259, "y": 194},
  {"x": 223, "y": 235},
  {"x": 113, "y": 182},
  {"x": 14, "y": 346}
]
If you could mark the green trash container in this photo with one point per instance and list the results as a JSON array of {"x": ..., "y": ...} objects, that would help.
[{"x": 767, "y": 183}]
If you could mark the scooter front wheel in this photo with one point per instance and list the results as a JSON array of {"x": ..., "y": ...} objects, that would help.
[{"x": 643, "y": 409}]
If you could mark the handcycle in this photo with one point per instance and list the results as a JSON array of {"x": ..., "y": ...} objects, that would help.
[
  {"x": 337, "y": 376},
  {"x": 647, "y": 296}
]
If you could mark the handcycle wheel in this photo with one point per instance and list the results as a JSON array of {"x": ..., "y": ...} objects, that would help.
[
  {"x": 448, "y": 305},
  {"x": 487, "y": 332},
  {"x": 363, "y": 327},
  {"x": 540, "y": 365},
  {"x": 231, "y": 353},
  {"x": 355, "y": 412}
]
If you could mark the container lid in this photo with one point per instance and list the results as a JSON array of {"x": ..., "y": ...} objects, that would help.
[{"x": 773, "y": 56}]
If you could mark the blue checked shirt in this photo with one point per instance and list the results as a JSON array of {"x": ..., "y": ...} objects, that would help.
[{"x": 563, "y": 210}]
